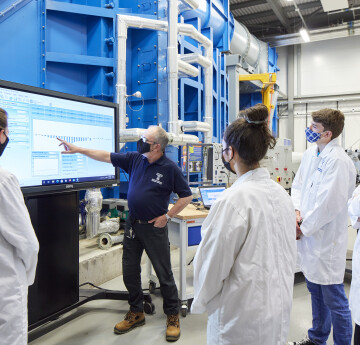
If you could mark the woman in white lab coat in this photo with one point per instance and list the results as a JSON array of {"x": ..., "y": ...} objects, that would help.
[
  {"x": 244, "y": 266},
  {"x": 18, "y": 253},
  {"x": 354, "y": 298}
]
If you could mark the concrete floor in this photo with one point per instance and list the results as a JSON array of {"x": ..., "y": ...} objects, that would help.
[{"x": 93, "y": 323}]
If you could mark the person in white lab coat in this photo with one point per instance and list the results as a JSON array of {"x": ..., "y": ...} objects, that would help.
[
  {"x": 18, "y": 253},
  {"x": 354, "y": 298},
  {"x": 322, "y": 186},
  {"x": 244, "y": 266}
]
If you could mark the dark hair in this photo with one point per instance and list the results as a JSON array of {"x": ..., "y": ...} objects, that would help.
[
  {"x": 250, "y": 135},
  {"x": 3, "y": 119},
  {"x": 331, "y": 119}
]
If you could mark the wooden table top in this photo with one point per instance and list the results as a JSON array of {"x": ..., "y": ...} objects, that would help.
[{"x": 191, "y": 211}]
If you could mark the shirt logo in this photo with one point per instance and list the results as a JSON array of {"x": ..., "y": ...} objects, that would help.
[{"x": 158, "y": 177}]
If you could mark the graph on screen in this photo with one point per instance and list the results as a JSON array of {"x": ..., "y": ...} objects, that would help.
[{"x": 35, "y": 122}]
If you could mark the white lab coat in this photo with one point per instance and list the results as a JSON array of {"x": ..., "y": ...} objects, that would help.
[
  {"x": 18, "y": 258},
  {"x": 320, "y": 191},
  {"x": 354, "y": 298},
  {"x": 244, "y": 266}
]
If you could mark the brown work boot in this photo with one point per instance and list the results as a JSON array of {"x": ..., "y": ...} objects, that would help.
[
  {"x": 130, "y": 321},
  {"x": 173, "y": 327}
]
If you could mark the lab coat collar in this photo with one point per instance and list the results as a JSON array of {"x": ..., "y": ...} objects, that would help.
[
  {"x": 328, "y": 148},
  {"x": 256, "y": 174}
]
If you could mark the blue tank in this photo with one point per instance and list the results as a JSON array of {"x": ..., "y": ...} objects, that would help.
[{"x": 214, "y": 17}]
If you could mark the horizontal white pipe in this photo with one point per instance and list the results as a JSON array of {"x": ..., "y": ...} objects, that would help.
[
  {"x": 194, "y": 4},
  {"x": 106, "y": 240},
  {"x": 131, "y": 134},
  {"x": 189, "y": 30},
  {"x": 182, "y": 139},
  {"x": 186, "y": 68},
  {"x": 144, "y": 23},
  {"x": 134, "y": 134},
  {"x": 195, "y": 58},
  {"x": 195, "y": 126}
]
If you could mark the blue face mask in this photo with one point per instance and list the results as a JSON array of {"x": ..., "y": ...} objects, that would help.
[{"x": 311, "y": 136}]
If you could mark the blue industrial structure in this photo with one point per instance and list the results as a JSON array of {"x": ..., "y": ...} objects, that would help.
[{"x": 70, "y": 46}]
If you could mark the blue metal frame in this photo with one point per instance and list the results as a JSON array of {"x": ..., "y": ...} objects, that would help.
[{"x": 70, "y": 46}]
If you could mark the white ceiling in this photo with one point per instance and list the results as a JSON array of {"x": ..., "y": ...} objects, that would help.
[{"x": 333, "y": 5}]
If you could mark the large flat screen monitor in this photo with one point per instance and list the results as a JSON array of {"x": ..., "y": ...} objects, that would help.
[{"x": 36, "y": 117}]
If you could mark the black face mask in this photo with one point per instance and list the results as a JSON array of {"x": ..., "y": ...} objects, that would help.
[
  {"x": 143, "y": 147},
  {"x": 2, "y": 146},
  {"x": 227, "y": 165}
]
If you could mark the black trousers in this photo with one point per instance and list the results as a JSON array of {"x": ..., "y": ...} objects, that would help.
[
  {"x": 155, "y": 241},
  {"x": 357, "y": 335}
]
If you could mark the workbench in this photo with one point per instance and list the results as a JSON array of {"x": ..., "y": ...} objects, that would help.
[{"x": 184, "y": 231}]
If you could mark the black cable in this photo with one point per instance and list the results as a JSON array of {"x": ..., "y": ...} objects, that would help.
[
  {"x": 93, "y": 285},
  {"x": 98, "y": 287}
]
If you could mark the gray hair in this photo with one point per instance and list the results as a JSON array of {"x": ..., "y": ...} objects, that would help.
[{"x": 161, "y": 137}]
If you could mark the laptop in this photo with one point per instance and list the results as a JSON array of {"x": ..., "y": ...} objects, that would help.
[{"x": 210, "y": 194}]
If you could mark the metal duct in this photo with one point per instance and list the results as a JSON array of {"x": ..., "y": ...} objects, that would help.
[{"x": 253, "y": 51}]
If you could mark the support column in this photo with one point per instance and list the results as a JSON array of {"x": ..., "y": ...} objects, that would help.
[{"x": 290, "y": 93}]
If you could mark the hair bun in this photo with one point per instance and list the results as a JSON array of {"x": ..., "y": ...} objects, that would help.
[{"x": 258, "y": 114}]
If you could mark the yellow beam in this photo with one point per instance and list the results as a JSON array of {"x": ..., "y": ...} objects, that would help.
[{"x": 265, "y": 78}]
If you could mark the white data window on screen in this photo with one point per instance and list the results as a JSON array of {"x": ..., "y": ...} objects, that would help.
[{"x": 45, "y": 167}]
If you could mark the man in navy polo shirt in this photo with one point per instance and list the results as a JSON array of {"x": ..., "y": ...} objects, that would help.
[{"x": 152, "y": 179}]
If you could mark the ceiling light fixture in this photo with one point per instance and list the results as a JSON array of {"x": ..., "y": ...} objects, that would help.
[{"x": 304, "y": 34}]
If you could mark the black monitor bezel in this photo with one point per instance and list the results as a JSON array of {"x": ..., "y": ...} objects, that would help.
[{"x": 69, "y": 187}]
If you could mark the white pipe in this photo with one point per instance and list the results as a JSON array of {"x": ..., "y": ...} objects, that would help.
[
  {"x": 208, "y": 85},
  {"x": 195, "y": 58},
  {"x": 182, "y": 139},
  {"x": 195, "y": 126},
  {"x": 134, "y": 134},
  {"x": 187, "y": 69},
  {"x": 125, "y": 21},
  {"x": 121, "y": 72},
  {"x": 106, "y": 240},
  {"x": 194, "y": 4},
  {"x": 144, "y": 23},
  {"x": 172, "y": 67},
  {"x": 131, "y": 134},
  {"x": 189, "y": 30}
]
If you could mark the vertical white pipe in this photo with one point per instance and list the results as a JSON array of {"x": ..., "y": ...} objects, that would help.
[
  {"x": 121, "y": 71},
  {"x": 172, "y": 66},
  {"x": 208, "y": 83}
]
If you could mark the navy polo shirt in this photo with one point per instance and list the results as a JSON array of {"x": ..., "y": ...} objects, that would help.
[{"x": 150, "y": 185}]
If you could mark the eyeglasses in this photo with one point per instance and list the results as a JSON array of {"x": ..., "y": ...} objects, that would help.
[
  {"x": 225, "y": 149},
  {"x": 146, "y": 140}
]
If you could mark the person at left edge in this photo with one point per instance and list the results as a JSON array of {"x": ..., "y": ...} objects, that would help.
[
  {"x": 19, "y": 249},
  {"x": 152, "y": 178},
  {"x": 354, "y": 296}
]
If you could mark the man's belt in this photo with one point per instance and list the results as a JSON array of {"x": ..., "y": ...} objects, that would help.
[{"x": 138, "y": 221}]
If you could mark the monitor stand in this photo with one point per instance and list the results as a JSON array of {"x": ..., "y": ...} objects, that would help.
[{"x": 55, "y": 218}]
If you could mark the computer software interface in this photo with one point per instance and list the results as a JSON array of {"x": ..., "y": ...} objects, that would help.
[
  {"x": 35, "y": 122},
  {"x": 210, "y": 194}
]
